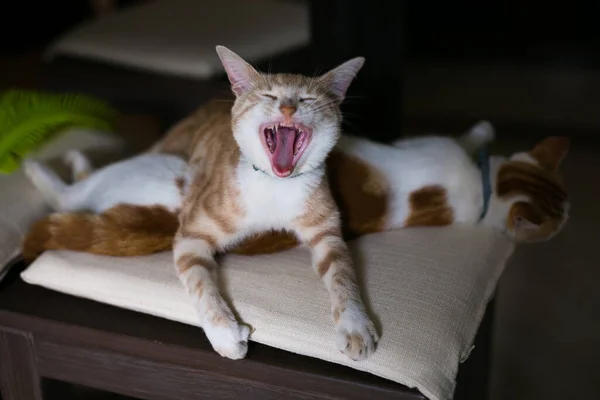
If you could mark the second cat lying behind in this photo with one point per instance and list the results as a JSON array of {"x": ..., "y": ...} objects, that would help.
[{"x": 427, "y": 181}]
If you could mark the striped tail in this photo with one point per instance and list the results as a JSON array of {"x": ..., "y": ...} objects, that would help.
[{"x": 124, "y": 230}]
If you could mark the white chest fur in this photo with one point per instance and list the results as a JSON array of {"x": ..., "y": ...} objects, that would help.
[{"x": 270, "y": 202}]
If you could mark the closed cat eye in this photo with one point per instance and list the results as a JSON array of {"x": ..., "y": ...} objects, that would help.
[
  {"x": 269, "y": 96},
  {"x": 303, "y": 99}
]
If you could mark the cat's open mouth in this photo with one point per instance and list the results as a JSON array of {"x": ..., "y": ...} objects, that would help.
[{"x": 284, "y": 143}]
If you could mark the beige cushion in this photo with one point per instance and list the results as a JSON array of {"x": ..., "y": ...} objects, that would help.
[
  {"x": 179, "y": 36},
  {"x": 428, "y": 289},
  {"x": 20, "y": 202}
]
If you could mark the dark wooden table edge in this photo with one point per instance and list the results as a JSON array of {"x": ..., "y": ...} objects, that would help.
[{"x": 80, "y": 346}]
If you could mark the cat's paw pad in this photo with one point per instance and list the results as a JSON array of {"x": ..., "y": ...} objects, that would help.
[
  {"x": 229, "y": 339},
  {"x": 356, "y": 336}
]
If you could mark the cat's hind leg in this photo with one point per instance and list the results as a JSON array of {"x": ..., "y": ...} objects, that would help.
[
  {"x": 80, "y": 165},
  {"x": 51, "y": 187}
]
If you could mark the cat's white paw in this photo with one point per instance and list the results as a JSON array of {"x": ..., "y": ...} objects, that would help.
[
  {"x": 356, "y": 335},
  {"x": 32, "y": 168},
  {"x": 72, "y": 157},
  {"x": 78, "y": 163},
  {"x": 228, "y": 337}
]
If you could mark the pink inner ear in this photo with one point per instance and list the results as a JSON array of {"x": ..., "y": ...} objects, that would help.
[
  {"x": 521, "y": 223},
  {"x": 341, "y": 77},
  {"x": 241, "y": 75},
  {"x": 239, "y": 78}
]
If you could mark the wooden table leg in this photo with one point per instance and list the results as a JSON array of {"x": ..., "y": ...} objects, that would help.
[{"x": 19, "y": 379}]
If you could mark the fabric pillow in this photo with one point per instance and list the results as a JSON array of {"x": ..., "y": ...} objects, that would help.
[
  {"x": 179, "y": 36},
  {"x": 427, "y": 289}
]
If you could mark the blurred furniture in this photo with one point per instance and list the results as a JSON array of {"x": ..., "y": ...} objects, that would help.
[
  {"x": 175, "y": 40},
  {"x": 159, "y": 56}
]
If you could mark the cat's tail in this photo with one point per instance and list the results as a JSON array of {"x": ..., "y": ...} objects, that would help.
[
  {"x": 477, "y": 137},
  {"x": 124, "y": 230}
]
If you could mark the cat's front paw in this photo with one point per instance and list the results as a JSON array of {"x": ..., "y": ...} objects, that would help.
[
  {"x": 356, "y": 335},
  {"x": 227, "y": 337}
]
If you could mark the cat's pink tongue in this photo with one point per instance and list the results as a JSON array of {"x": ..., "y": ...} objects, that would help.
[{"x": 283, "y": 156}]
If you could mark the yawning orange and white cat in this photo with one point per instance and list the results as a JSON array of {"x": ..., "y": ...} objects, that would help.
[
  {"x": 285, "y": 126},
  {"x": 269, "y": 175}
]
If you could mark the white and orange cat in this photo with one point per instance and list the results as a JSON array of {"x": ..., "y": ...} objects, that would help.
[
  {"x": 238, "y": 191},
  {"x": 285, "y": 126}
]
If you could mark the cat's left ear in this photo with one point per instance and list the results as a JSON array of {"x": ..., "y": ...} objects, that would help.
[
  {"x": 241, "y": 74},
  {"x": 551, "y": 151},
  {"x": 338, "y": 79}
]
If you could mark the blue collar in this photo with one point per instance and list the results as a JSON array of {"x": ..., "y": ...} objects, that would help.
[{"x": 483, "y": 161}]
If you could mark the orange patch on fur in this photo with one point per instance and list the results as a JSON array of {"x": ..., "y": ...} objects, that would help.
[
  {"x": 325, "y": 263},
  {"x": 190, "y": 260},
  {"x": 542, "y": 187},
  {"x": 266, "y": 242},
  {"x": 123, "y": 230},
  {"x": 322, "y": 235},
  {"x": 361, "y": 193},
  {"x": 337, "y": 312},
  {"x": 429, "y": 207},
  {"x": 550, "y": 152},
  {"x": 546, "y": 199}
]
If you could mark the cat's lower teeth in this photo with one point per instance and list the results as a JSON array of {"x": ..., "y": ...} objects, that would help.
[
  {"x": 270, "y": 139},
  {"x": 298, "y": 146}
]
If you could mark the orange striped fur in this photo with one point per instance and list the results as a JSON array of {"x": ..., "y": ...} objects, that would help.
[{"x": 123, "y": 230}]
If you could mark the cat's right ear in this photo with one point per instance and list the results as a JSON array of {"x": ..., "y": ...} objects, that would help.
[
  {"x": 241, "y": 74},
  {"x": 338, "y": 79}
]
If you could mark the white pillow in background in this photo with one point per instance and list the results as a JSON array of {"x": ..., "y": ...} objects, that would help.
[{"x": 178, "y": 37}]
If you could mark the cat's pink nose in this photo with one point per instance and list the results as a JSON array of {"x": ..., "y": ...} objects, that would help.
[{"x": 288, "y": 111}]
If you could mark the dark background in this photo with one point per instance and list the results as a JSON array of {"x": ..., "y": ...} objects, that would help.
[
  {"x": 533, "y": 31},
  {"x": 533, "y": 69}
]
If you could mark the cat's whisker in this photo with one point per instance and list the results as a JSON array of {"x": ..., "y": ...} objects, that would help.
[{"x": 314, "y": 78}]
